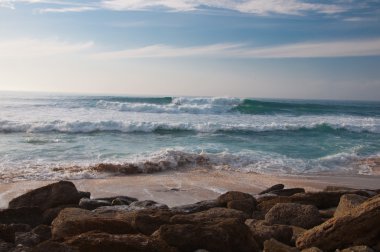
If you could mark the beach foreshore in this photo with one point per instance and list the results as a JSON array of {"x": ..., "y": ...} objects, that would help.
[{"x": 189, "y": 186}]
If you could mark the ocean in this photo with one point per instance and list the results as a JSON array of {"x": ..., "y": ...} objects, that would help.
[{"x": 51, "y": 136}]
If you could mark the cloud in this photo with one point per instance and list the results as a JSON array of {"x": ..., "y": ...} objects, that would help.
[
  {"x": 67, "y": 9},
  {"x": 369, "y": 47},
  {"x": 36, "y": 48}
]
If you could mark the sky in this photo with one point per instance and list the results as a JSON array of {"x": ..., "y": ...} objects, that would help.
[{"x": 303, "y": 49}]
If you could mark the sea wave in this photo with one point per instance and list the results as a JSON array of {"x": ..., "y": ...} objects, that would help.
[
  {"x": 202, "y": 127},
  {"x": 348, "y": 163}
]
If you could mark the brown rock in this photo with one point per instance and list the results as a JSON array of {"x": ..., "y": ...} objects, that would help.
[
  {"x": 327, "y": 213},
  {"x": 99, "y": 242},
  {"x": 247, "y": 205},
  {"x": 53, "y": 195},
  {"x": 52, "y": 246},
  {"x": 262, "y": 231},
  {"x": 275, "y": 246},
  {"x": 23, "y": 215},
  {"x": 50, "y": 214},
  {"x": 211, "y": 215},
  {"x": 147, "y": 204},
  {"x": 358, "y": 249},
  {"x": 288, "y": 192},
  {"x": 91, "y": 204},
  {"x": 196, "y": 207},
  {"x": 74, "y": 221},
  {"x": 7, "y": 233},
  {"x": 305, "y": 216},
  {"x": 234, "y": 195},
  {"x": 297, "y": 231},
  {"x": 147, "y": 221},
  {"x": 226, "y": 235},
  {"x": 312, "y": 249},
  {"x": 347, "y": 203},
  {"x": 273, "y": 188},
  {"x": 119, "y": 200},
  {"x": 360, "y": 226}
]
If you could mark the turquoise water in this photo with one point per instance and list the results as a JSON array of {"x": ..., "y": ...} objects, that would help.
[{"x": 40, "y": 133}]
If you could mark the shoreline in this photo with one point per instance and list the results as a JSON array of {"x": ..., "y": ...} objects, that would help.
[{"x": 175, "y": 188}]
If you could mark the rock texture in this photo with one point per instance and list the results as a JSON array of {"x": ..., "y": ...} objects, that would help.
[{"x": 347, "y": 203}]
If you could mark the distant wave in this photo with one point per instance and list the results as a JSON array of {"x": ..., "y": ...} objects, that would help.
[{"x": 206, "y": 127}]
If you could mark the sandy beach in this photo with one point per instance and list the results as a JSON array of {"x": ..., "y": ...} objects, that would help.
[{"x": 190, "y": 186}]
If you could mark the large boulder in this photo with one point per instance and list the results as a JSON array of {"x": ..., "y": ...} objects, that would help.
[
  {"x": 226, "y": 235},
  {"x": 99, "y": 242},
  {"x": 211, "y": 215},
  {"x": 263, "y": 231},
  {"x": 74, "y": 221},
  {"x": 24, "y": 215},
  {"x": 305, "y": 216},
  {"x": 53, "y": 195},
  {"x": 347, "y": 203},
  {"x": 360, "y": 226}
]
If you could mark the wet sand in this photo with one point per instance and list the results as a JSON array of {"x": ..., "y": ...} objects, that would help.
[{"x": 184, "y": 187}]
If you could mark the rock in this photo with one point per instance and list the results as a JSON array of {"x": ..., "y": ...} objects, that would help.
[
  {"x": 359, "y": 226},
  {"x": 262, "y": 231},
  {"x": 196, "y": 207},
  {"x": 50, "y": 214},
  {"x": 119, "y": 200},
  {"x": 84, "y": 194},
  {"x": 20, "y": 248},
  {"x": 7, "y": 233},
  {"x": 234, "y": 195},
  {"x": 20, "y": 227},
  {"x": 297, "y": 231},
  {"x": 52, "y": 246},
  {"x": 228, "y": 234},
  {"x": 147, "y": 204},
  {"x": 338, "y": 188},
  {"x": 273, "y": 188},
  {"x": 117, "y": 168},
  {"x": 347, "y": 203},
  {"x": 74, "y": 221},
  {"x": 23, "y": 215},
  {"x": 272, "y": 245},
  {"x": 37, "y": 235},
  {"x": 305, "y": 216},
  {"x": 321, "y": 200},
  {"x": 312, "y": 249},
  {"x": 358, "y": 249},
  {"x": 149, "y": 220},
  {"x": 258, "y": 215},
  {"x": 327, "y": 213},
  {"x": 91, "y": 204},
  {"x": 53, "y": 195},
  {"x": 99, "y": 242},
  {"x": 5, "y": 246},
  {"x": 247, "y": 205},
  {"x": 211, "y": 215},
  {"x": 288, "y": 192}
]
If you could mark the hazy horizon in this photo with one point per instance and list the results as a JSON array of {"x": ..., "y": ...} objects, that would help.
[{"x": 277, "y": 49}]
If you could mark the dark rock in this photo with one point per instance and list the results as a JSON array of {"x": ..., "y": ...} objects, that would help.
[
  {"x": 52, "y": 246},
  {"x": 74, "y": 221},
  {"x": 53, "y": 195},
  {"x": 312, "y": 249},
  {"x": 258, "y": 215},
  {"x": 262, "y": 231},
  {"x": 196, "y": 207},
  {"x": 6, "y": 246},
  {"x": 37, "y": 235},
  {"x": 234, "y": 195},
  {"x": 84, "y": 194},
  {"x": 50, "y": 214},
  {"x": 147, "y": 204},
  {"x": 247, "y": 205},
  {"x": 327, "y": 213},
  {"x": 147, "y": 221},
  {"x": 228, "y": 234},
  {"x": 288, "y": 192},
  {"x": 7, "y": 233},
  {"x": 272, "y": 245},
  {"x": 273, "y": 188},
  {"x": 305, "y": 216},
  {"x": 20, "y": 248},
  {"x": 338, "y": 188},
  {"x": 24, "y": 215},
  {"x": 126, "y": 200},
  {"x": 358, "y": 249},
  {"x": 347, "y": 203},
  {"x": 211, "y": 215},
  {"x": 359, "y": 226},
  {"x": 18, "y": 227},
  {"x": 100, "y": 242},
  {"x": 91, "y": 204}
]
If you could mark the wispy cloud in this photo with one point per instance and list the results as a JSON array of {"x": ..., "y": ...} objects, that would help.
[
  {"x": 369, "y": 47},
  {"x": 37, "y": 48},
  {"x": 67, "y": 9}
]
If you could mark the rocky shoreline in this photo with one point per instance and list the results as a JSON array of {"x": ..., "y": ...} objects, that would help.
[{"x": 58, "y": 217}]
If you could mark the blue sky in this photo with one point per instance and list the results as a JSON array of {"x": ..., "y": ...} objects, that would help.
[{"x": 250, "y": 48}]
